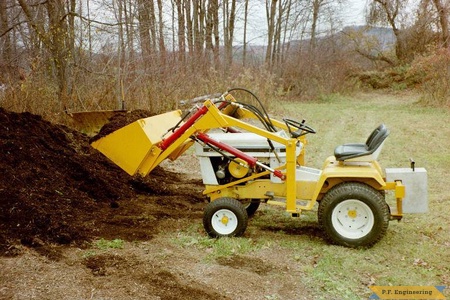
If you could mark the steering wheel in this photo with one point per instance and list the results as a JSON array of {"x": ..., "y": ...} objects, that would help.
[{"x": 301, "y": 126}]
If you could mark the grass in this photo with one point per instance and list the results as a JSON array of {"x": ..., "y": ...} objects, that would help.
[
  {"x": 214, "y": 247},
  {"x": 414, "y": 252},
  {"x": 103, "y": 244}
]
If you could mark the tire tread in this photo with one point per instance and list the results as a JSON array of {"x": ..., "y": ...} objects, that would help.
[
  {"x": 370, "y": 196},
  {"x": 225, "y": 203}
]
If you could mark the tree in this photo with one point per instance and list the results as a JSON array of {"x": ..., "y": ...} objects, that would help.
[
  {"x": 442, "y": 11},
  {"x": 316, "y": 6},
  {"x": 271, "y": 9},
  {"x": 229, "y": 18},
  {"x": 53, "y": 33},
  {"x": 279, "y": 23},
  {"x": 6, "y": 45},
  {"x": 181, "y": 31},
  {"x": 161, "y": 43},
  {"x": 244, "y": 55},
  {"x": 212, "y": 31},
  {"x": 388, "y": 11},
  {"x": 145, "y": 14}
]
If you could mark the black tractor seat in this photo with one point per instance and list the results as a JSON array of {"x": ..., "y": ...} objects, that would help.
[{"x": 363, "y": 152}]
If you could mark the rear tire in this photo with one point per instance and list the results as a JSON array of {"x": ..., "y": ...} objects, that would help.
[
  {"x": 354, "y": 214},
  {"x": 225, "y": 217}
]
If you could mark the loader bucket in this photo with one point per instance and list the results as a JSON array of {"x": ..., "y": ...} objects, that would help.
[
  {"x": 90, "y": 122},
  {"x": 134, "y": 147}
]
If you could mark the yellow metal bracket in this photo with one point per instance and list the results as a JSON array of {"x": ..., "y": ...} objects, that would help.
[{"x": 400, "y": 192}]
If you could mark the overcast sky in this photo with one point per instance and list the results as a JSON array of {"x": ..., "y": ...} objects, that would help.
[
  {"x": 352, "y": 13},
  {"x": 356, "y": 12}
]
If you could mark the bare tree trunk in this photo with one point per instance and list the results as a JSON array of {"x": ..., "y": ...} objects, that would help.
[
  {"x": 144, "y": 33},
  {"x": 174, "y": 28},
  {"x": 6, "y": 49},
  {"x": 286, "y": 44},
  {"x": 228, "y": 28},
  {"x": 55, "y": 39},
  {"x": 89, "y": 28},
  {"x": 181, "y": 32},
  {"x": 270, "y": 16},
  {"x": 189, "y": 25},
  {"x": 209, "y": 27},
  {"x": 120, "y": 52},
  {"x": 391, "y": 11},
  {"x": 443, "y": 21},
  {"x": 152, "y": 24},
  {"x": 316, "y": 5},
  {"x": 121, "y": 42},
  {"x": 71, "y": 28},
  {"x": 198, "y": 21},
  {"x": 277, "y": 35},
  {"x": 278, "y": 13},
  {"x": 58, "y": 34},
  {"x": 147, "y": 29},
  {"x": 244, "y": 50},
  {"x": 128, "y": 29},
  {"x": 161, "y": 43},
  {"x": 216, "y": 34}
]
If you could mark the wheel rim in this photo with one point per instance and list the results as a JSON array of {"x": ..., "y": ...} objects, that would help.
[
  {"x": 224, "y": 221},
  {"x": 353, "y": 219}
]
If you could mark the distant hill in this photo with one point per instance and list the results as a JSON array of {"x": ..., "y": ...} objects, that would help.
[{"x": 384, "y": 35}]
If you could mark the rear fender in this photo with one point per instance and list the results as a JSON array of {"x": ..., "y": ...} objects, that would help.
[{"x": 335, "y": 172}]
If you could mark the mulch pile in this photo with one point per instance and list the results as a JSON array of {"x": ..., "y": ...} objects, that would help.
[
  {"x": 119, "y": 120},
  {"x": 54, "y": 187}
]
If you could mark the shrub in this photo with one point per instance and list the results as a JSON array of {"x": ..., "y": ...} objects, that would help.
[{"x": 432, "y": 73}]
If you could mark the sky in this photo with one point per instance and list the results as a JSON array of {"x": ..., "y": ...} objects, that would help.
[
  {"x": 356, "y": 12},
  {"x": 352, "y": 13}
]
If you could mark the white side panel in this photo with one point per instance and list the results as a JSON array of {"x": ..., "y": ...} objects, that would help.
[
  {"x": 307, "y": 174},
  {"x": 208, "y": 175}
]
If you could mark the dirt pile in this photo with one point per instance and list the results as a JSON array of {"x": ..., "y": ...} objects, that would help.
[
  {"x": 119, "y": 120},
  {"x": 54, "y": 188}
]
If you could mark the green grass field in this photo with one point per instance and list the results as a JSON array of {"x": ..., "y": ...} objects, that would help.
[{"x": 414, "y": 252}]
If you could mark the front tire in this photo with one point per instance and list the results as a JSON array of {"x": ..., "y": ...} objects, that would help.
[
  {"x": 354, "y": 214},
  {"x": 251, "y": 206},
  {"x": 225, "y": 217}
]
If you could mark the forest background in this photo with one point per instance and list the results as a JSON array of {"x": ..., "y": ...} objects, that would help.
[{"x": 59, "y": 56}]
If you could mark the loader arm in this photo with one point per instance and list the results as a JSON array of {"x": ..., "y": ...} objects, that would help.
[
  {"x": 151, "y": 140},
  {"x": 141, "y": 146},
  {"x": 234, "y": 114}
]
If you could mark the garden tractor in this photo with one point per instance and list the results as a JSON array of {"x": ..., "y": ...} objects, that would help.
[{"x": 247, "y": 158}]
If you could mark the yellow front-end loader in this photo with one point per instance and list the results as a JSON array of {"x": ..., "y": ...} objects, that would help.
[{"x": 247, "y": 158}]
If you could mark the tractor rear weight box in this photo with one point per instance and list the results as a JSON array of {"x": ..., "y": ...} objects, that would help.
[{"x": 416, "y": 185}]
